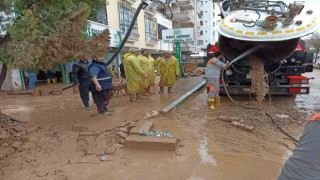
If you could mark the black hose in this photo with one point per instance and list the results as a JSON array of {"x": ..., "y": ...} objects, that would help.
[
  {"x": 273, "y": 121},
  {"x": 134, "y": 19}
]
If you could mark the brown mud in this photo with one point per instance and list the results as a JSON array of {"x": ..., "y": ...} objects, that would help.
[
  {"x": 259, "y": 86},
  {"x": 62, "y": 141}
]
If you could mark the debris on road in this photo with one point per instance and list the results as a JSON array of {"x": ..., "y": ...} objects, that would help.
[
  {"x": 151, "y": 114},
  {"x": 144, "y": 125},
  {"x": 230, "y": 119},
  {"x": 150, "y": 142},
  {"x": 242, "y": 126},
  {"x": 103, "y": 158}
]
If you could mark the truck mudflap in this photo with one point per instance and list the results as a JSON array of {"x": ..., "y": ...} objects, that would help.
[{"x": 275, "y": 90}]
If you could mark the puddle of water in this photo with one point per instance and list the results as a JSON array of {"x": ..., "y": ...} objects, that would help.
[
  {"x": 11, "y": 109},
  {"x": 195, "y": 178},
  {"x": 203, "y": 151}
]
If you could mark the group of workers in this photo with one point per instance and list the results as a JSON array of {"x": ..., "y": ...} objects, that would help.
[
  {"x": 140, "y": 75},
  {"x": 137, "y": 71}
]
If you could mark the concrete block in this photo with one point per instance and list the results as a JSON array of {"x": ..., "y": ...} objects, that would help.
[
  {"x": 150, "y": 142},
  {"x": 44, "y": 92},
  {"x": 16, "y": 144},
  {"x": 56, "y": 91},
  {"x": 124, "y": 129},
  {"x": 142, "y": 126},
  {"x": 122, "y": 134}
]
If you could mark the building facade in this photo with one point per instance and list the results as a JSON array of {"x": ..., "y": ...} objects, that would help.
[
  {"x": 146, "y": 33},
  {"x": 207, "y": 24},
  {"x": 186, "y": 15}
]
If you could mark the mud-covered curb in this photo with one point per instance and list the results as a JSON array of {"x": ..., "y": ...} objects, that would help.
[{"x": 184, "y": 97}]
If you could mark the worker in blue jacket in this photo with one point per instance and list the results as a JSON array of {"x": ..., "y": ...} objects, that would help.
[{"x": 102, "y": 83}]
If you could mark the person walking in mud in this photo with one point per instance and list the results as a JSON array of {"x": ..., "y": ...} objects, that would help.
[
  {"x": 212, "y": 76},
  {"x": 102, "y": 81},
  {"x": 81, "y": 78},
  {"x": 304, "y": 164}
]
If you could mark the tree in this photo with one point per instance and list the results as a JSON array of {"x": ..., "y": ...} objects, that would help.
[
  {"x": 45, "y": 33},
  {"x": 315, "y": 43}
]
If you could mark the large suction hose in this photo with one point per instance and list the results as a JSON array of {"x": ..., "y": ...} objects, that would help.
[{"x": 134, "y": 19}]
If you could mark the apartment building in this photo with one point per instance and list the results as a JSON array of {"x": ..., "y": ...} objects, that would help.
[
  {"x": 185, "y": 15},
  {"x": 207, "y": 24},
  {"x": 147, "y": 31}
]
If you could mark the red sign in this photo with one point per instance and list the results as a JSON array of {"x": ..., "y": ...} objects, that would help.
[
  {"x": 213, "y": 49},
  {"x": 299, "y": 48}
]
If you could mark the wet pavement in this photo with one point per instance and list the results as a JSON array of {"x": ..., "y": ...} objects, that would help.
[
  {"x": 67, "y": 109},
  {"x": 207, "y": 148}
]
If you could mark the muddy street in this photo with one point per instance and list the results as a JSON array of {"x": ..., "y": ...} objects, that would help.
[{"x": 69, "y": 143}]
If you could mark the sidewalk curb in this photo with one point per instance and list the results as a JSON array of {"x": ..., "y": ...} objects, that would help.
[{"x": 184, "y": 97}]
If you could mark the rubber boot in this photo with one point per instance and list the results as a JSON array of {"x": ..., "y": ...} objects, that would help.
[
  {"x": 170, "y": 90},
  {"x": 48, "y": 81},
  {"x": 211, "y": 103},
  {"x": 161, "y": 90},
  {"x": 217, "y": 101},
  {"x": 133, "y": 97},
  {"x": 140, "y": 97},
  {"x": 54, "y": 81}
]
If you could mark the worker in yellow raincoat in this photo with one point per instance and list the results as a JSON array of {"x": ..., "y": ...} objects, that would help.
[
  {"x": 147, "y": 65},
  {"x": 134, "y": 74},
  {"x": 168, "y": 69}
]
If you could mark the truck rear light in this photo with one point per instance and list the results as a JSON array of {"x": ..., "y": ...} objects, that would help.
[
  {"x": 298, "y": 80},
  {"x": 298, "y": 90}
]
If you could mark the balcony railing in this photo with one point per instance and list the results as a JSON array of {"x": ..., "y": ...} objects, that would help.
[{"x": 186, "y": 4}]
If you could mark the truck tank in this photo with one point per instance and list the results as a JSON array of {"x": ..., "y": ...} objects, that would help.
[{"x": 273, "y": 26}]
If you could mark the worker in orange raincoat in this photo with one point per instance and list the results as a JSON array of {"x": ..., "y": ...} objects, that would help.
[{"x": 168, "y": 69}]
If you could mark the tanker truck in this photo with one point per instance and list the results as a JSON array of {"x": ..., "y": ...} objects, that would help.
[{"x": 275, "y": 28}]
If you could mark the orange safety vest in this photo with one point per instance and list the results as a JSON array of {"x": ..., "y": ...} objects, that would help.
[{"x": 315, "y": 117}]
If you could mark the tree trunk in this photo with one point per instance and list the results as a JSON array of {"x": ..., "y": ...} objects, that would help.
[{"x": 3, "y": 74}]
